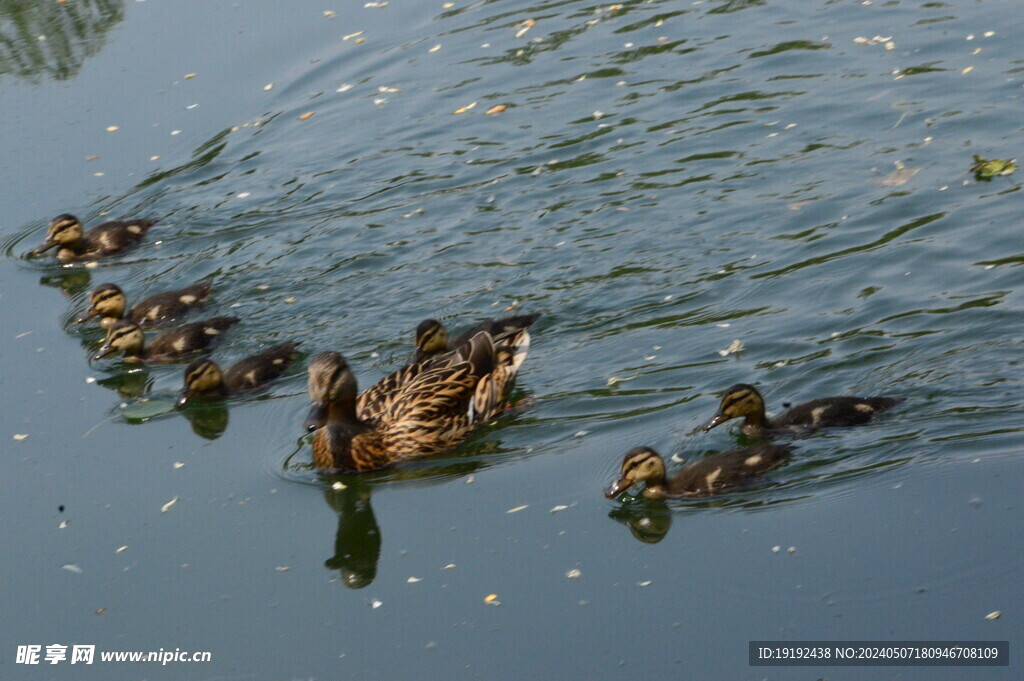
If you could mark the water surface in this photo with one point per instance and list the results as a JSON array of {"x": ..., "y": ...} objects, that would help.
[{"x": 666, "y": 178}]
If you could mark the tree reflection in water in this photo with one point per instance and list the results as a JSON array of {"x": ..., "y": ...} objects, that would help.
[{"x": 45, "y": 38}]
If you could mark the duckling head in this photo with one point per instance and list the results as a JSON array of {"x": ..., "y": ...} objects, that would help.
[
  {"x": 330, "y": 382},
  {"x": 65, "y": 230},
  {"x": 431, "y": 337},
  {"x": 124, "y": 337},
  {"x": 640, "y": 464},
  {"x": 107, "y": 301},
  {"x": 202, "y": 376},
  {"x": 739, "y": 401}
]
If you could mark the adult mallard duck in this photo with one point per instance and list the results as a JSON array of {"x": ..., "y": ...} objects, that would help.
[
  {"x": 73, "y": 243},
  {"x": 742, "y": 400},
  {"x": 432, "y": 339},
  {"x": 433, "y": 411},
  {"x": 377, "y": 399},
  {"x": 108, "y": 302},
  {"x": 711, "y": 475},
  {"x": 204, "y": 378},
  {"x": 127, "y": 338}
]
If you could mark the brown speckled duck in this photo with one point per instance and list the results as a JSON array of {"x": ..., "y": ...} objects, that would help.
[
  {"x": 711, "y": 475},
  {"x": 127, "y": 338},
  {"x": 204, "y": 378},
  {"x": 376, "y": 399},
  {"x": 108, "y": 302},
  {"x": 432, "y": 338},
  {"x": 73, "y": 243},
  {"x": 434, "y": 411},
  {"x": 742, "y": 400}
]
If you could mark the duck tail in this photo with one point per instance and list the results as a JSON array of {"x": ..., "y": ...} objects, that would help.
[{"x": 520, "y": 344}]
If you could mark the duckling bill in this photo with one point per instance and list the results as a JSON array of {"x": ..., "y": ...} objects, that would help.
[
  {"x": 745, "y": 401},
  {"x": 72, "y": 242},
  {"x": 108, "y": 302},
  {"x": 127, "y": 338},
  {"x": 711, "y": 475}
]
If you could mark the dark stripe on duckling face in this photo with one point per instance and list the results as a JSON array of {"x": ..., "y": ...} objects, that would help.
[
  {"x": 107, "y": 300},
  {"x": 64, "y": 229},
  {"x": 123, "y": 337},
  {"x": 431, "y": 336},
  {"x": 640, "y": 464},
  {"x": 201, "y": 376},
  {"x": 741, "y": 400}
]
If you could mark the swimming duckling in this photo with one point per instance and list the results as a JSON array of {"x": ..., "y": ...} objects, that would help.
[
  {"x": 434, "y": 411},
  {"x": 745, "y": 401},
  {"x": 127, "y": 338},
  {"x": 432, "y": 338},
  {"x": 108, "y": 302},
  {"x": 204, "y": 378},
  {"x": 72, "y": 243},
  {"x": 711, "y": 475}
]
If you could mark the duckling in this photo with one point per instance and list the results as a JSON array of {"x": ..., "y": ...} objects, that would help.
[
  {"x": 72, "y": 243},
  {"x": 204, "y": 378},
  {"x": 126, "y": 337},
  {"x": 432, "y": 338},
  {"x": 435, "y": 410},
  {"x": 711, "y": 475},
  {"x": 742, "y": 400},
  {"x": 108, "y": 302}
]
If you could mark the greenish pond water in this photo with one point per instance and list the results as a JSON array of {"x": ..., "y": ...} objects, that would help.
[{"x": 666, "y": 178}]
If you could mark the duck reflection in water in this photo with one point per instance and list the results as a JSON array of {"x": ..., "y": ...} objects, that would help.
[
  {"x": 209, "y": 419},
  {"x": 357, "y": 541},
  {"x": 129, "y": 385},
  {"x": 649, "y": 521},
  {"x": 70, "y": 282}
]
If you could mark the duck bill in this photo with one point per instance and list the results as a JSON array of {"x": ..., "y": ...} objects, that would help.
[
  {"x": 618, "y": 487},
  {"x": 103, "y": 352},
  {"x": 317, "y": 417},
  {"x": 45, "y": 247},
  {"x": 183, "y": 400},
  {"x": 89, "y": 314},
  {"x": 715, "y": 421}
]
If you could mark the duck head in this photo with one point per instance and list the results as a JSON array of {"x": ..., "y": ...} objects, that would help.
[
  {"x": 331, "y": 384},
  {"x": 65, "y": 231},
  {"x": 108, "y": 301},
  {"x": 640, "y": 464},
  {"x": 202, "y": 377},
  {"x": 739, "y": 401},
  {"x": 124, "y": 337}
]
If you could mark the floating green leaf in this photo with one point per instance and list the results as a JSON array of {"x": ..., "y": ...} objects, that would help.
[{"x": 986, "y": 169}]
